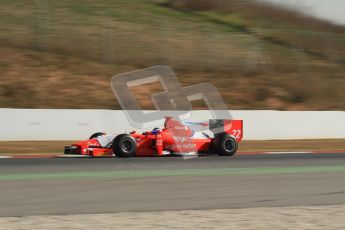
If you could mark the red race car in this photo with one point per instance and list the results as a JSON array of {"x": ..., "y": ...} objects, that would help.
[{"x": 176, "y": 138}]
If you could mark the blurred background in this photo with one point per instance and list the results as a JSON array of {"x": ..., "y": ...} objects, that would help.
[{"x": 259, "y": 54}]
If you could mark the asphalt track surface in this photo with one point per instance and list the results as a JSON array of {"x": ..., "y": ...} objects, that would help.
[{"x": 76, "y": 186}]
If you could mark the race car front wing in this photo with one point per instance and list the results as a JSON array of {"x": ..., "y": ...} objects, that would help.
[{"x": 72, "y": 150}]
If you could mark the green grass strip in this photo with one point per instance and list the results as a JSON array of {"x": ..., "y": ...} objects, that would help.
[{"x": 177, "y": 172}]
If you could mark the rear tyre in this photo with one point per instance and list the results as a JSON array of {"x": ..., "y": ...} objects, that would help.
[
  {"x": 96, "y": 135},
  {"x": 124, "y": 146},
  {"x": 224, "y": 144}
]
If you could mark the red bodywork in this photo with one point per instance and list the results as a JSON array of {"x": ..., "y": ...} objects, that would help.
[{"x": 175, "y": 137}]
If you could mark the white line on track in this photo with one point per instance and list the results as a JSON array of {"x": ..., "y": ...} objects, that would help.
[
  {"x": 5, "y": 157},
  {"x": 72, "y": 156},
  {"x": 289, "y": 152}
]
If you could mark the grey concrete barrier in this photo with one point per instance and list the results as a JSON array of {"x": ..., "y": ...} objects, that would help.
[{"x": 60, "y": 124}]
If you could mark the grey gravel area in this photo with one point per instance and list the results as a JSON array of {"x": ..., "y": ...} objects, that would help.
[{"x": 312, "y": 217}]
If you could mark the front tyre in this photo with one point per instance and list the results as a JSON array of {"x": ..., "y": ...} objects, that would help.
[
  {"x": 225, "y": 145},
  {"x": 124, "y": 146}
]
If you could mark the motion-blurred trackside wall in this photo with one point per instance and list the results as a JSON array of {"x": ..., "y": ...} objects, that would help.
[{"x": 28, "y": 124}]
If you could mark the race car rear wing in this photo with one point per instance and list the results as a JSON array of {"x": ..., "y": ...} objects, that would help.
[{"x": 233, "y": 127}]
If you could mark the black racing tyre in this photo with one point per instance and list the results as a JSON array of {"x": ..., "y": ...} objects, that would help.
[
  {"x": 224, "y": 144},
  {"x": 124, "y": 146},
  {"x": 96, "y": 135}
]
